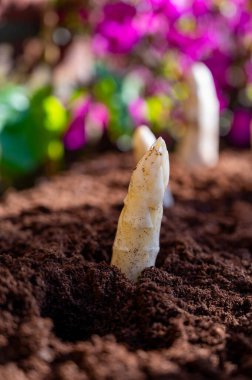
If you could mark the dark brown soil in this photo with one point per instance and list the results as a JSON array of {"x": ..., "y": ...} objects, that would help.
[{"x": 66, "y": 314}]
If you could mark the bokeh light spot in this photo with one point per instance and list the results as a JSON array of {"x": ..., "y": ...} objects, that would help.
[
  {"x": 124, "y": 143},
  {"x": 61, "y": 36},
  {"x": 55, "y": 150},
  {"x": 19, "y": 102},
  {"x": 55, "y": 114}
]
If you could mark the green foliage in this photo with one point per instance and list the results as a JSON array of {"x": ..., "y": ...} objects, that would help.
[
  {"x": 108, "y": 89},
  {"x": 30, "y": 126},
  {"x": 159, "y": 108}
]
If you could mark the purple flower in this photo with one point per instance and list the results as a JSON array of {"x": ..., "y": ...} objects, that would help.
[
  {"x": 195, "y": 46},
  {"x": 173, "y": 9},
  {"x": 200, "y": 7},
  {"x": 116, "y": 32},
  {"x": 75, "y": 137},
  {"x": 222, "y": 96},
  {"x": 95, "y": 114},
  {"x": 198, "y": 37},
  {"x": 138, "y": 111},
  {"x": 98, "y": 115},
  {"x": 151, "y": 24},
  {"x": 240, "y": 21},
  {"x": 239, "y": 134},
  {"x": 219, "y": 64}
]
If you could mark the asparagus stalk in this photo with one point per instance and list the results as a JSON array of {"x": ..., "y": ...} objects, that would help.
[
  {"x": 143, "y": 139},
  {"x": 200, "y": 145},
  {"x": 136, "y": 243}
]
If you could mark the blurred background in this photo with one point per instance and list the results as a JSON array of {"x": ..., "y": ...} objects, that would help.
[{"x": 78, "y": 76}]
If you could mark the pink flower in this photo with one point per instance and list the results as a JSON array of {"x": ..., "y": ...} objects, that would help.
[
  {"x": 75, "y": 137},
  {"x": 94, "y": 113},
  {"x": 240, "y": 130},
  {"x": 116, "y": 32},
  {"x": 219, "y": 64},
  {"x": 173, "y": 9},
  {"x": 98, "y": 115},
  {"x": 138, "y": 112},
  {"x": 200, "y": 7},
  {"x": 151, "y": 24}
]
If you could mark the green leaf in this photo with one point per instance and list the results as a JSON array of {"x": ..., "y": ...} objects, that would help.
[
  {"x": 30, "y": 130},
  {"x": 55, "y": 115}
]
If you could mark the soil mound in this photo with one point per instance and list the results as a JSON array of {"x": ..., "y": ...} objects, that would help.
[{"x": 66, "y": 314}]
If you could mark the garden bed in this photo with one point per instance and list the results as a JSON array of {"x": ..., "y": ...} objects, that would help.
[{"x": 66, "y": 314}]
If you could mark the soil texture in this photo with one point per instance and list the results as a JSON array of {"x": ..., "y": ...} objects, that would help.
[{"x": 66, "y": 314}]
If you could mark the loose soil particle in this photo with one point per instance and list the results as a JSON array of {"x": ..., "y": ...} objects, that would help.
[{"x": 66, "y": 314}]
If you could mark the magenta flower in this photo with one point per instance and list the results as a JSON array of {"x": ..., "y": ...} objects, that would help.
[
  {"x": 116, "y": 32},
  {"x": 201, "y": 7},
  {"x": 241, "y": 20},
  {"x": 206, "y": 34},
  {"x": 94, "y": 113},
  {"x": 173, "y": 9},
  {"x": 138, "y": 111},
  {"x": 75, "y": 137},
  {"x": 98, "y": 115},
  {"x": 151, "y": 24},
  {"x": 219, "y": 64},
  {"x": 194, "y": 46},
  {"x": 239, "y": 134}
]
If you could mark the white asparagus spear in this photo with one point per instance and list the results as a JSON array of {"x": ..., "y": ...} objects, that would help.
[
  {"x": 136, "y": 243},
  {"x": 200, "y": 145},
  {"x": 143, "y": 139}
]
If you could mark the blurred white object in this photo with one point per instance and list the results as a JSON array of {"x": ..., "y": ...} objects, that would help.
[
  {"x": 200, "y": 145},
  {"x": 143, "y": 139},
  {"x": 41, "y": 76},
  {"x": 136, "y": 243},
  {"x": 77, "y": 67}
]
